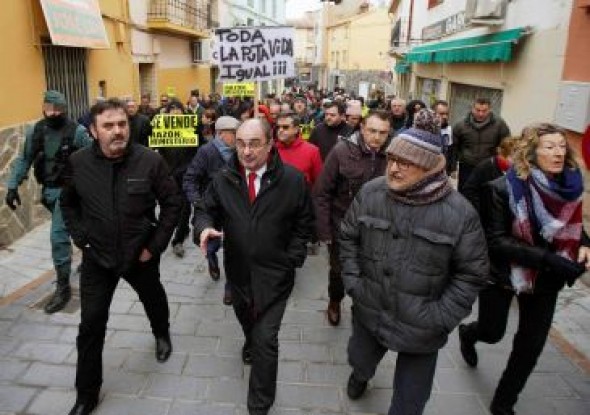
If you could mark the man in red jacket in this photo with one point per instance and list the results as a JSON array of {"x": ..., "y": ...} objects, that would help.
[{"x": 295, "y": 151}]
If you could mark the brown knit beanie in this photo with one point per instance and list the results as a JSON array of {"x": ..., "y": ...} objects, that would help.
[{"x": 422, "y": 143}]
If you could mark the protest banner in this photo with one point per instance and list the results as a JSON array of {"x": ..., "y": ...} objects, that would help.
[
  {"x": 247, "y": 54},
  {"x": 245, "y": 89},
  {"x": 171, "y": 130}
]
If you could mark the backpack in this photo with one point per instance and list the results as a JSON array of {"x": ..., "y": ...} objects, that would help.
[{"x": 66, "y": 147}]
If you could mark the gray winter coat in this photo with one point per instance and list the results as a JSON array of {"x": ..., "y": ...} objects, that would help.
[{"x": 413, "y": 272}]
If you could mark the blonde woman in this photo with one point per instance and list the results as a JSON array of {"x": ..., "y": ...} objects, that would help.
[{"x": 533, "y": 223}]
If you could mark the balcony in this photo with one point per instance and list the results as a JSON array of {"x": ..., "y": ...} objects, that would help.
[{"x": 182, "y": 17}]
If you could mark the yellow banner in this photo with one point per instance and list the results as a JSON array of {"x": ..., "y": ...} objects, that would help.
[
  {"x": 245, "y": 89},
  {"x": 170, "y": 130}
]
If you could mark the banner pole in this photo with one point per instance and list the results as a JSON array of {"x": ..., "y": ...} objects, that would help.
[{"x": 256, "y": 99}]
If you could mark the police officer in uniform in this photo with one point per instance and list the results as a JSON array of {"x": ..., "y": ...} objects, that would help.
[{"x": 47, "y": 146}]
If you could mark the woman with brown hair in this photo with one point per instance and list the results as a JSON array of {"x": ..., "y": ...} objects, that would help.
[{"x": 533, "y": 222}]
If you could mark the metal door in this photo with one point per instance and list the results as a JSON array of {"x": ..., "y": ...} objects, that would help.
[
  {"x": 65, "y": 71},
  {"x": 463, "y": 96}
]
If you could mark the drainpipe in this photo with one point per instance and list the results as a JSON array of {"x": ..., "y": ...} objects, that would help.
[{"x": 410, "y": 18}]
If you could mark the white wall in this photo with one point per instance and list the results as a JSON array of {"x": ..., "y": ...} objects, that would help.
[
  {"x": 138, "y": 11},
  {"x": 530, "y": 80},
  {"x": 233, "y": 12},
  {"x": 174, "y": 52}
]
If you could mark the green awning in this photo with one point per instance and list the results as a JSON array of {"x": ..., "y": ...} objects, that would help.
[
  {"x": 495, "y": 47},
  {"x": 402, "y": 67}
]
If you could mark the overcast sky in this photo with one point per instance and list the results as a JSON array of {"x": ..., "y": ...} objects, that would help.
[{"x": 296, "y": 8}]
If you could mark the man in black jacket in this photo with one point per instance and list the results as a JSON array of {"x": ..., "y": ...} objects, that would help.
[
  {"x": 325, "y": 135},
  {"x": 140, "y": 128},
  {"x": 108, "y": 204},
  {"x": 264, "y": 209}
]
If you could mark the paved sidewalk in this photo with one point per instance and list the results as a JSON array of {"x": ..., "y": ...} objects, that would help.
[{"x": 205, "y": 374}]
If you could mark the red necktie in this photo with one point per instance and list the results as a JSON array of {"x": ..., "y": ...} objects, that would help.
[{"x": 251, "y": 187}]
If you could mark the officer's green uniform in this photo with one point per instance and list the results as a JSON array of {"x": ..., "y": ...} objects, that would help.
[{"x": 61, "y": 250}]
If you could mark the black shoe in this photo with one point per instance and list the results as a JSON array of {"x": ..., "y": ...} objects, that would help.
[
  {"x": 83, "y": 407},
  {"x": 497, "y": 409},
  {"x": 163, "y": 348},
  {"x": 60, "y": 299},
  {"x": 178, "y": 250},
  {"x": 247, "y": 354},
  {"x": 227, "y": 298},
  {"x": 214, "y": 272},
  {"x": 467, "y": 346},
  {"x": 355, "y": 388},
  {"x": 333, "y": 312}
]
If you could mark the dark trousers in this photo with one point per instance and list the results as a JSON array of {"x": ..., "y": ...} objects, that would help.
[
  {"x": 535, "y": 317},
  {"x": 465, "y": 171},
  {"x": 97, "y": 286},
  {"x": 335, "y": 283},
  {"x": 262, "y": 334},
  {"x": 182, "y": 228},
  {"x": 213, "y": 246},
  {"x": 414, "y": 373}
]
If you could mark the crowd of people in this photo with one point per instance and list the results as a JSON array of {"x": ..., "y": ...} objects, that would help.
[{"x": 370, "y": 180}]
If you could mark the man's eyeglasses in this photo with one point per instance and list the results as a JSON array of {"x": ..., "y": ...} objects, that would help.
[
  {"x": 401, "y": 163},
  {"x": 283, "y": 126},
  {"x": 252, "y": 144}
]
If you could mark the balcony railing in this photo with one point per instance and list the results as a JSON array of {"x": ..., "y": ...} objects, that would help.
[{"x": 184, "y": 16}]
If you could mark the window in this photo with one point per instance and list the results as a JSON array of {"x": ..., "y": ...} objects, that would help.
[
  {"x": 274, "y": 8},
  {"x": 197, "y": 51},
  {"x": 344, "y": 58},
  {"x": 434, "y": 3},
  {"x": 263, "y": 6},
  {"x": 250, "y": 22},
  {"x": 251, "y": 3}
]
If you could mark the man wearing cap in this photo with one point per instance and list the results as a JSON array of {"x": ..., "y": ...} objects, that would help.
[
  {"x": 306, "y": 123},
  {"x": 413, "y": 257},
  {"x": 351, "y": 163},
  {"x": 47, "y": 147},
  {"x": 207, "y": 162},
  {"x": 354, "y": 114}
]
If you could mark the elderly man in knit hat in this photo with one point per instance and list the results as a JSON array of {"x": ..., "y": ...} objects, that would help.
[
  {"x": 413, "y": 259},
  {"x": 47, "y": 147}
]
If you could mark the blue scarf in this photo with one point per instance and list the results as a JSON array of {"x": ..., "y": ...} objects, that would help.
[
  {"x": 552, "y": 209},
  {"x": 225, "y": 150}
]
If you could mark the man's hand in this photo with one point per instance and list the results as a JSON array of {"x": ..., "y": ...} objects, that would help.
[
  {"x": 584, "y": 256},
  {"x": 145, "y": 255},
  {"x": 207, "y": 234},
  {"x": 12, "y": 198}
]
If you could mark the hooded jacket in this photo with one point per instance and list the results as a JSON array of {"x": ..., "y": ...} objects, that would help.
[
  {"x": 413, "y": 272},
  {"x": 302, "y": 155},
  {"x": 473, "y": 143},
  {"x": 347, "y": 168}
]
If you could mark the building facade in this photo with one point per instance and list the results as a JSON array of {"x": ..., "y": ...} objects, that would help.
[
  {"x": 128, "y": 47},
  {"x": 463, "y": 49}
]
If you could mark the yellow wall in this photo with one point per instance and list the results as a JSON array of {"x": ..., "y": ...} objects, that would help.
[
  {"x": 369, "y": 36},
  {"x": 184, "y": 80},
  {"x": 21, "y": 74},
  {"x": 21, "y": 26},
  {"x": 361, "y": 39}
]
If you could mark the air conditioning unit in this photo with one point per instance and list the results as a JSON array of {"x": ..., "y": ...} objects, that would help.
[
  {"x": 485, "y": 12},
  {"x": 201, "y": 51}
]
